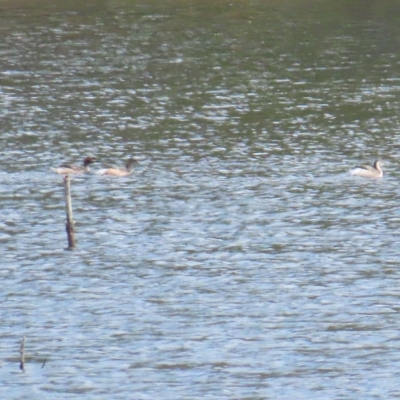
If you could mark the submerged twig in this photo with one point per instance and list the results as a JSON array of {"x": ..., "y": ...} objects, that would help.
[
  {"x": 22, "y": 352},
  {"x": 69, "y": 225}
]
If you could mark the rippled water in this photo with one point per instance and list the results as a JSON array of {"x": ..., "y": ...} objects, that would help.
[{"x": 240, "y": 260}]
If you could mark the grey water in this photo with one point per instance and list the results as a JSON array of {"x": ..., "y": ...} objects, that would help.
[{"x": 240, "y": 260}]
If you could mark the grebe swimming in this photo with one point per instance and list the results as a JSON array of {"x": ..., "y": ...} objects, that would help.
[
  {"x": 75, "y": 169},
  {"x": 367, "y": 171},
  {"x": 122, "y": 171}
]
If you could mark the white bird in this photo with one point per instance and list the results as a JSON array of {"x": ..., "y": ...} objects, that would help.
[
  {"x": 367, "y": 171},
  {"x": 119, "y": 171}
]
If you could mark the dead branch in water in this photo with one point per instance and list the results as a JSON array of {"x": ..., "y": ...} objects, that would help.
[
  {"x": 69, "y": 225},
  {"x": 22, "y": 352}
]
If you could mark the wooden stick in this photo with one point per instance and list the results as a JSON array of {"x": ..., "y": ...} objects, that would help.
[
  {"x": 22, "y": 352},
  {"x": 69, "y": 225}
]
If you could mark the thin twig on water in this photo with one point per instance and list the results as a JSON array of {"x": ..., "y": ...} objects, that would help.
[
  {"x": 22, "y": 352},
  {"x": 69, "y": 225}
]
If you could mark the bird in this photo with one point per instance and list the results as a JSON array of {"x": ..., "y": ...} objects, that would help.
[
  {"x": 122, "y": 171},
  {"x": 368, "y": 171},
  {"x": 75, "y": 169}
]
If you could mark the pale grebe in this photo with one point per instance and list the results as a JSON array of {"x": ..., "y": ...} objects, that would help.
[
  {"x": 75, "y": 169},
  {"x": 119, "y": 171},
  {"x": 367, "y": 171}
]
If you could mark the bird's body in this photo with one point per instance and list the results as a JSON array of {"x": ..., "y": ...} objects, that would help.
[
  {"x": 66, "y": 169},
  {"x": 367, "y": 171},
  {"x": 122, "y": 171}
]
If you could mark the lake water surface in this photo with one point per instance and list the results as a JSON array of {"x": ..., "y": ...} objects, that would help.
[{"x": 240, "y": 260}]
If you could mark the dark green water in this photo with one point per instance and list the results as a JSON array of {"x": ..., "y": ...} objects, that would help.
[{"x": 240, "y": 260}]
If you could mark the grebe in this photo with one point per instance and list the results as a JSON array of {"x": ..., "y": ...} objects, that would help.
[
  {"x": 367, "y": 171},
  {"x": 119, "y": 171},
  {"x": 75, "y": 169}
]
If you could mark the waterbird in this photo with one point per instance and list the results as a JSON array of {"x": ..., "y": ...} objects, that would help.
[
  {"x": 75, "y": 169},
  {"x": 368, "y": 171},
  {"x": 121, "y": 171}
]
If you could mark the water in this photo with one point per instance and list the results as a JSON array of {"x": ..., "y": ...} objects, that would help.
[{"x": 240, "y": 260}]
